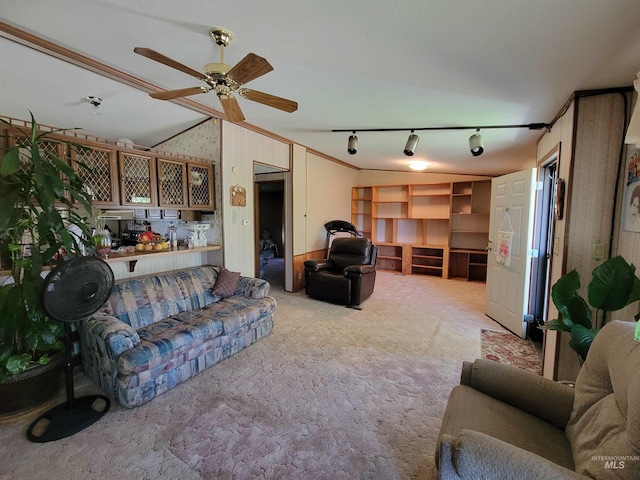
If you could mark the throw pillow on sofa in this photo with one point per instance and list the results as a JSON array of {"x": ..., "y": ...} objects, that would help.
[{"x": 226, "y": 283}]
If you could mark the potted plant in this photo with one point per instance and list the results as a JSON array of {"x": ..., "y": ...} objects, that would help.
[
  {"x": 35, "y": 231},
  {"x": 613, "y": 286}
]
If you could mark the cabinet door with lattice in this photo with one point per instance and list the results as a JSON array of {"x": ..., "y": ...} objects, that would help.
[
  {"x": 201, "y": 188},
  {"x": 100, "y": 175},
  {"x": 172, "y": 183},
  {"x": 48, "y": 149},
  {"x": 137, "y": 179}
]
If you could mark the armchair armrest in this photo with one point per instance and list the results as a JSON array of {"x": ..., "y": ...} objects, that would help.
[
  {"x": 359, "y": 269},
  {"x": 477, "y": 455},
  {"x": 319, "y": 264},
  {"x": 527, "y": 391},
  {"x": 253, "y": 287},
  {"x": 116, "y": 336}
]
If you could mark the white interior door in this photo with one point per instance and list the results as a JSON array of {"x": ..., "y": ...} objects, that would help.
[{"x": 508, "y": 279}]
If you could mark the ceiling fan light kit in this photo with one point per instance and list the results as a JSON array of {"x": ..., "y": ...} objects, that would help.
[
  {"x": 223, "y": 79},
  {"x": 95, "y": 102}
]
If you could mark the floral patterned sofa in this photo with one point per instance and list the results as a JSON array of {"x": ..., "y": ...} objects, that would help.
[{"x": 157, "y": 331}]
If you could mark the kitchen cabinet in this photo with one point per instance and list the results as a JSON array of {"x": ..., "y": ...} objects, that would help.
[
  {"x": 102, "y": 177},
  {"x": 172, "y": 183},
  {"x": 200, "y": 185},
  {"x": 126, "y": 176},
  {"x": 137, "y": 179}
]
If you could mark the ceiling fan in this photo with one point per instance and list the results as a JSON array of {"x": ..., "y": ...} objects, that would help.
[{"x": 223, "y": 79}]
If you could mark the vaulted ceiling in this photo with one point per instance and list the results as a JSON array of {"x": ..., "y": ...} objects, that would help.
[{"x": 350, "y": 64}]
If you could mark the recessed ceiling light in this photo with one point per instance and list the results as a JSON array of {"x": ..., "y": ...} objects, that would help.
[{"x": 418, "y": 165}]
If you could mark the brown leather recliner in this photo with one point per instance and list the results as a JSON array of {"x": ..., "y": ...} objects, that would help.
[{"x": 347, "y": 277}]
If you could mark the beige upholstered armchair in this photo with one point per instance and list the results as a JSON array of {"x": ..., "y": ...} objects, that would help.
[{"x": 506, "y": 423}]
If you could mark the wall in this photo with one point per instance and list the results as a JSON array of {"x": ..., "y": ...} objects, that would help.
[
  {"x": 328, "y": 197},
  {"x": 148, "y": 266},
  {"x": 241, "y": 148},
  {"x": 589, "y": 137},
  {"x": 559, "y": 138},
  {"x": 202, "y": 141}
]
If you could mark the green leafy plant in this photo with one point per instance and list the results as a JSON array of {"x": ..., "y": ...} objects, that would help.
[
  {"x": 613, "y": 286},
  {"x": 38, "y": 206}
]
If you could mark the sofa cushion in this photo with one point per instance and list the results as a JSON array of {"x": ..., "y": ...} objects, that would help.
[
  {"x": 226, "y": 283},
  {"x": 142, "y": 301},
  {"x": 472, "y": 410},
  {"x": 169, "y": 339},
  {"x": 237, "y": 311},
  {"x": 606, "y": 411},
  {"x": 197, "y": 284}
]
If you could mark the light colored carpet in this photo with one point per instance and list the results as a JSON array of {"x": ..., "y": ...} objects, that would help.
[{"x": 332, "y": 393}]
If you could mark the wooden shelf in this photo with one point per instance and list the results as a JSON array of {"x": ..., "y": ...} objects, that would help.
[{"x": 405, "y": 221}]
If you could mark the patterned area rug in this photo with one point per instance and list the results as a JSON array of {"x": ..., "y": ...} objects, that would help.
[{"x": 510, "y": 349}]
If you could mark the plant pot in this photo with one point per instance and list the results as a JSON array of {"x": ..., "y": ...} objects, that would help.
[{"x": 32, "y": 387}]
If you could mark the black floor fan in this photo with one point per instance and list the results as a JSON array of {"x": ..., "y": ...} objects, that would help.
[{"x": 72, "y": 291}]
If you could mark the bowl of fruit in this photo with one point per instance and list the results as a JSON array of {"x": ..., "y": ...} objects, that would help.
[{"x": 150, "y": 241}]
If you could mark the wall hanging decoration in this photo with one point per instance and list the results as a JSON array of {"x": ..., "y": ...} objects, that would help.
[
  {"x": 505, "y": 240},
  {"x": 238, "y": 196}
]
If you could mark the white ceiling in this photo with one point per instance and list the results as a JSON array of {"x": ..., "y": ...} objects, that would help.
[{"x": 350, "y": 64}]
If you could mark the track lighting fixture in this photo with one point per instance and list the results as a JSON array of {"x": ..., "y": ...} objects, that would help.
[
  {"x": 95, "y": 102},
  {"x": 412, "y": 143},
  {"x": 475, "y": 144},
  {"x": 352, "y": 146},
  {"x": 475, "y": 141}
]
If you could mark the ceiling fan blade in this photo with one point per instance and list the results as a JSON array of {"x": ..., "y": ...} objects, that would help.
[
  {"x": 249, "y": 68},
  {"x": 182, "y": 92},
  {"x": 158, "y": 57},
  {"x": 270, "y": 100},
  {"x": 231, "y": 108}
]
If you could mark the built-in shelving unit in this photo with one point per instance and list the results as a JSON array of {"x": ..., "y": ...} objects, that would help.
[
  {"x": 420, "y": 229},
  {"x": 470, "y": 204},
  {"x": 361, "y": 210}
]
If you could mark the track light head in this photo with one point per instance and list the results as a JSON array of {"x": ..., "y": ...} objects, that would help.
[
  {"x": 352, "y": 146},
  {"x": 475, "y": 144},
  {"x": 412, "y": 143}
]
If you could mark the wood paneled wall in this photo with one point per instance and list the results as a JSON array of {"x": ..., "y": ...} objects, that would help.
[
  {"x": 589, "y": 136},
  {"x": 242, "y": 147}
]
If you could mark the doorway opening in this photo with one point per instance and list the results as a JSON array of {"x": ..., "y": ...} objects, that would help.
[
  {"x": 544, "y": 225},
  {"x": 271, "y": 232}
]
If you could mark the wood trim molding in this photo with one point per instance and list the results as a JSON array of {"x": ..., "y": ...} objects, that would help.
[{"x": 62, "y": 53}]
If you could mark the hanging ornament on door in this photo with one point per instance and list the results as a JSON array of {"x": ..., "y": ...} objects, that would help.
[{"x": 505, "y": 241}]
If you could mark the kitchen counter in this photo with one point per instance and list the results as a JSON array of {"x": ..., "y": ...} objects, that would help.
[{"x": 132, "y": 258}]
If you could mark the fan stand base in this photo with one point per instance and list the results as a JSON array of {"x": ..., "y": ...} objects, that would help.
[{"x": 64, "y": 421}]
